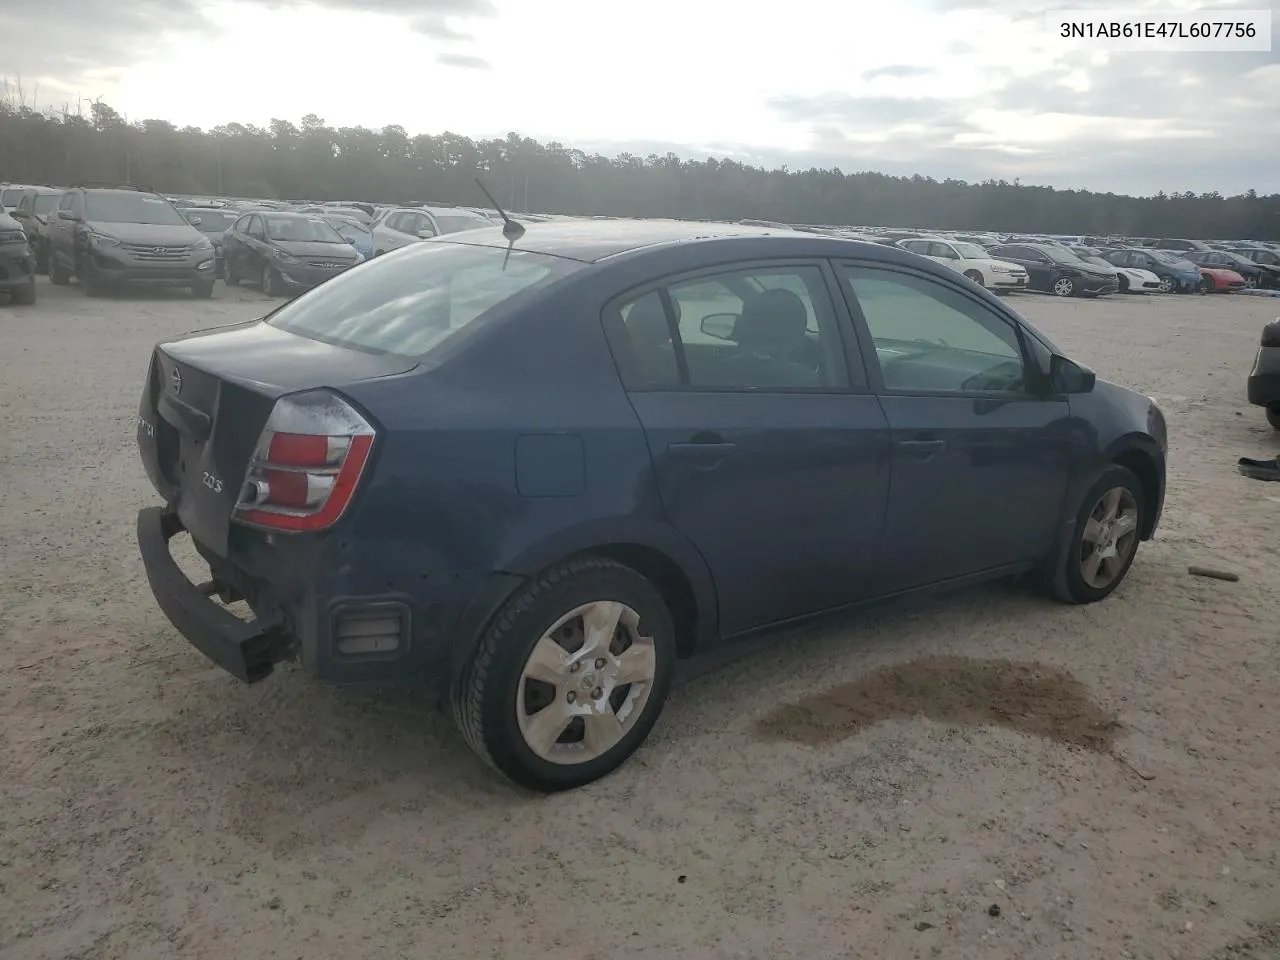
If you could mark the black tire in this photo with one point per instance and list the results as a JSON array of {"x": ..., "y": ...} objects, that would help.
[
  {"x": 270, "y": 284},
  {"x": 1273, "y": 415},
  {"x": 1063, "y": 287},
  {"x": 1206, "y": 285},
  {"x": 42, "y": 257},
  {"x": 484, "y": 697},
  {"x": 975, "y": 276},
  {"x": 1124, "y": 283},
  {"x": 1168, "y": 285},
  {"x": 58, "y": 275},
  {"x": 229, "y": 275},
  {"x": 89, "y": 281},
  {"x": 24, "y": 296},
  {"x": 202, "y": 291},
  {"x": 1066, "y": 580}
]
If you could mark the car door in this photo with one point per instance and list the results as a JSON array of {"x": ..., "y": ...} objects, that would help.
[
  {"x": 946, "y": 254},
  {"x": 769, "y": 452},
  {"x": 980, "y": 460},
  {"x": 60, "y": 234},
  {"x": 233, "y": 245},
  {"x": 1038, "y": 266},
  {"x": 254, "y": 254}
]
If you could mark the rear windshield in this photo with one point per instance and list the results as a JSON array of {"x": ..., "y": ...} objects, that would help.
[
  {"x": 408, "y": 302},
  {"x": 131, "y": 208}
]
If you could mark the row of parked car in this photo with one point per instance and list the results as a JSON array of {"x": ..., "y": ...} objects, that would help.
[
  {"x": 1088, "y": 266},
  {"x": 109, "y": 234}
]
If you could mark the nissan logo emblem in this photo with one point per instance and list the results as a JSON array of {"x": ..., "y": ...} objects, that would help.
[{"x": 175, "y": 380}]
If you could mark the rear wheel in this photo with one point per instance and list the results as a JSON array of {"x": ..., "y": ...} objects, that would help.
[
  {"x": 570, "y": 676},
  {"x": 1273, "y": 415},
  {"x": 24, "y": 295},
  {"x": 1124, "y": 283},
  {"x": 1250, "y": 282},
  {"x": 975, "y": 276},
  {"x": 1097, "y": 555},
  {"x": 1063, "y": 287}
]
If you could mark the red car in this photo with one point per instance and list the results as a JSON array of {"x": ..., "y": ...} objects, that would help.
[{"x": 1220, "y": 280}]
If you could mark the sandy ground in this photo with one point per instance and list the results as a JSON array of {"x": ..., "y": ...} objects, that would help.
[{"x": 151, "y": 807}]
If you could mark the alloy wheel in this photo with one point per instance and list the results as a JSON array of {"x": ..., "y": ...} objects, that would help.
[
  {"x": 1063, "y": 287},
  {"x": 585, "y": 683},
  {"x": 1109, "y": 538}
]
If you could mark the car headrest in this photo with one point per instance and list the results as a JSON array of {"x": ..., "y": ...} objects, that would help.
[{"x": 771, "y": 318}]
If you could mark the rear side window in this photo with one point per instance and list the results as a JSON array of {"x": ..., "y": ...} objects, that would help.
[{"x": 409, "y": 302}]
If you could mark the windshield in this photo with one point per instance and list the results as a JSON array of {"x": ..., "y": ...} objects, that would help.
[
  {"x": 213, "y": 221},
  {"x": 131, "y": 208},
  {"x": 301, "y": 229},
  {"x": 1165, "y": 256},
  {"x": 10, "y": 198},
  {"x": 1060, "y": 254},
  {"x": 451, "y": 223},
  {"x": 409, "y": 302},
  {"x": 46, "y": 202},
  {"x": 970, "y": 251},
  {"x": 349, "y": 230}
]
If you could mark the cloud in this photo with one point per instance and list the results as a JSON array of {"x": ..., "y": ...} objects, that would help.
[
  {"x": 897, "y": 70},
  {"x": 463, "y": 61}
]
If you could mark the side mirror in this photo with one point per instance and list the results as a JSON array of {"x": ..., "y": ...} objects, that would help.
[
  {"x": 1067, "y": 376},
  {"x": 719, "y": 325},
  {"x": 426, "y": 233},
  {"x": 66, "y": 215},
  {"x": 194, "y": 221}
]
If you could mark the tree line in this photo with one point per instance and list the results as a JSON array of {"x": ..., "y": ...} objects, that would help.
[{"x": 315, "y": 161}]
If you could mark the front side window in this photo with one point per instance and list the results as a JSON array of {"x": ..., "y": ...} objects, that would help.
[
  {"x": 931, "y": 338},
  {"x": 761, "y": 328},
  {"x": 410, "y": 303},
  {"x": 45, "y": 202}
]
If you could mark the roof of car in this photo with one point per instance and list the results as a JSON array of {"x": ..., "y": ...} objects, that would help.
[{"x": 592, "y": 240}]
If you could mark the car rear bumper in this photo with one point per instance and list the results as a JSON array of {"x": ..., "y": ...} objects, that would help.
[
  {"x": 246, "y": 649},
  {"x": 316, "y": 608},
  {"x": 1264, "y": 381}
]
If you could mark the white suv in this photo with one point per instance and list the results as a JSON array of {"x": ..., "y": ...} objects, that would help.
[
  {"x": 402, "y": 226},
  {"x": 971, "y": 260}
]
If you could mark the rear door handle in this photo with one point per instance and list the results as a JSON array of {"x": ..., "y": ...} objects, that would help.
[
  {"x": 712, "y": 450},
  {"x": 922, "y": 449}
]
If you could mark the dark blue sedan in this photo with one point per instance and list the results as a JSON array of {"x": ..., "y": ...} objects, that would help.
[{"x": 546, "y": 468}]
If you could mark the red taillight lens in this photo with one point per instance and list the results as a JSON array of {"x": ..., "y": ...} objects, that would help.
[{"x": 307, "y": 464}]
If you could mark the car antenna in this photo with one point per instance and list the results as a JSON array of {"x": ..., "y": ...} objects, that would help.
[{"x": 513, "y": 230}]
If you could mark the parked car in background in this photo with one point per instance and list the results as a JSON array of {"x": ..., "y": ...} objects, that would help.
[
  {"x": 402, "y": 226},
  {"x": 35, "y": 206},
  {"x": 1264, "y": 381},
  {"x": 1184, "y": 246},
  {"x": 1129, "y": 279},
  {"x": 17, "y": 262},
  {"x": 1055, "y": 269},
  {"x": 122, "y": 235},
  {"x": 352, "y": 231},
  {"x": 521, "y": 466},
  {"x": 1259, "y": 254},
  {"x": 1175, "y": 274},
  {"x": 970, "y": 260},
  {"x": 11, "y": 193},
  {"x": 285, "y": 252},
  {"x": 1254, "y": 274},
  {"x": 213, "y": 222},
  {"x": 1220, "y": 280}
]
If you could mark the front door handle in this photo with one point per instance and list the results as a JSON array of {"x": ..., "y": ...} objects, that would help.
[{"x": 921, "y": 449}]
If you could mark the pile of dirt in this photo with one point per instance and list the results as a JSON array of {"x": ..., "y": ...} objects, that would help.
[{"x": 1027, "y": 697}]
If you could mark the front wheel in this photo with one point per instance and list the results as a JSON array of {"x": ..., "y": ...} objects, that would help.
[
  {"x": 1206, "y": 285},
  {"x": 1100, "y": 549},
  {"x": 202, "y": 290},
  {"x": 90, "y": 282},
  {"x": 24, "y": 295},
  {"x": 1063, "y": 287},
  {"x": 1250, "y": 282},
  {"x": 570, "y": 676},
  {"x": 1273, "y": 415},
  {"x": 271, "y": 282},
  {"x": 229, "y": 274},
  {"x": 975, "y": 276},
  {"x": 1168, "y": 285}
]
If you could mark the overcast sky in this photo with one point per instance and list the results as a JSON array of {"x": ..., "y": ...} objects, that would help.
[{"x": 961, "y": 88}]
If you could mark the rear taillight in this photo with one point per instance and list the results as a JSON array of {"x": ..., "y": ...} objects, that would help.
[{"x": 307, "y": 464}]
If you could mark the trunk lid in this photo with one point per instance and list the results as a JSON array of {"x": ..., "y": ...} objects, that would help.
[{"x": 206, "y": 400}]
